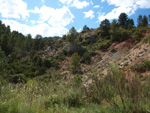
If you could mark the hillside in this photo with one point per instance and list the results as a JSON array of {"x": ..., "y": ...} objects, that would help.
[{"x": 97, "y": 70}]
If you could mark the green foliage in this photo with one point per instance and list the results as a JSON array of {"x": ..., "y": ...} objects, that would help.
[
  {"x": 142, "y": 21},
  {"x": 145, "y": 21},
  {"x": 77, "y": 80},
  {"x": 139, "y": 21},
  {"x": 104, "y": 45},
  {"x": 126, "y": 95},
  {"x": 123, "y": 17},
  {"x": 141, "y": 67},
  {"x": 120, "y": 35},
  {"x": 72, "y": 48},
  {"x": 137, "y": 35},
  {"x": 3, "y": 61},
  {"x": 86, "y": 58},
  {"x": 130, "y": 23},
  {"x": 146, "y": 39},
  {"x": 72, "y": 30},
  {"x": 17, "y": 78},
  {"x": 105, "y": 27},
  {"x": 4, "y": 44},
  {"x": 85, "y": 28},
  {"x": 113, "y": 50},
  {"x": 75, "y": 63},
  {"x": 71, "y": 37}
]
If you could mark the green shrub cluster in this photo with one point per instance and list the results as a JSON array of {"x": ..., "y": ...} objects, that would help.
[
  {"x": 146, "y": 39},
  {"x": 137, "y": 35},
  {"x": 143, "y": 66},
  {"x": 120, "y": 35},
  {"x": 75, "y": 63},
  {"x": 104, "y": 45}
]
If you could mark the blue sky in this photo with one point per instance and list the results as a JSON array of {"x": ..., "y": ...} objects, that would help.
[{"x": 56, "y": 17}]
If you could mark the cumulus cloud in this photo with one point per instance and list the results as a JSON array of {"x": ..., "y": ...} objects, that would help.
[
  {"x": 75, "y": 3},
  {"x": 51, "y": 22},
  {"x": 44, "y": 12},
  {"x": 55, "y": 17},
  {"x": 127, "y": 6},
  {"x": 96, "y": 6},
  {"x": 116, "y": 12},
  {"x": 61, "y": 17},
  {"x": 42, "y": 29},
  {"x": 89, "y": 14},
  {"x": 13, "y": 9}
]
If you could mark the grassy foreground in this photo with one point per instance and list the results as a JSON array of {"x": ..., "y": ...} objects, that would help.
[{"x": 111, "y": 94}]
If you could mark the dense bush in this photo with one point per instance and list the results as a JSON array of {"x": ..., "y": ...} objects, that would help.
[
  {"x": 17, "y": 78},
  {"x": 72, "y": 48},
  {"x": 137, "y": 35},
  {"x": 120, "y": 35},
  {"x": 75, "y": 63},
  {"x": 86, "y": 58},
  {"x": 141, "y": 67},
  {"x": 146, "y": 39},
  {"x": 104, "y": 45}
]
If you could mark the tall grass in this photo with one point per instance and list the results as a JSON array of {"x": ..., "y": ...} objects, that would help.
[
  {"x": 113, "y": 93},
  {"x": 123, "y": 93}
]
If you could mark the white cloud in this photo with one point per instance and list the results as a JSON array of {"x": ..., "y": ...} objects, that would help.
[
  {"x": 102, "y": 0},
  {"x": 13, "y": 9},
  {"x": 66, "y": 1},
  {"x": 75, "y": 3},
  {"x": 96, "y": 6},
  {"x": 45, "y": 12},
  {"x": 42, "y": 29},
  {"x": 55, "y": 17},
  {"x": 89, "y": 14},
  {"x": 79, "y": 30},
  {"x": 128, "y": 3},
  {"x": 143, "y": 3},
  {"x": 127, "y": 6},
  {"x": 114, "y": 14},
  {"x": 92, "y": 2},
  {"x": 61, "y": 17}
]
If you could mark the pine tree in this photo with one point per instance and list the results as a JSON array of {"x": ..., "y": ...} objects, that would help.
[
  {"x": 123, "y": 17},
  {"x": 105, "y": 27},
  {"x": 145, "y": 21},
  {"x": 139, "y": 21}
]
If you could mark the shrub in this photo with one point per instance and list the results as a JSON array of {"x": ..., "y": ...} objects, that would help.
[
  {"x": 17, "y": 78},
  {"x": 141, "y": 67},
  {"x": 113, "y": 50},
  {"x": 86, "y": 58},
  {"x": 75, "y": 66},
  {"x": 127, "y": 95},
  {"x": 147, "y": 64},
  {"x": 120, "y": 35},
  {"x": 104, "y": 45},
  {"x": 72, "y": 48},
  {"x": 54, "y": 63},
  {"x": 146, "y": 39},
  {"x": 77, "y": 80},
  {"x": 69, "y": 98},
  {"x": 137, "y": 35}
]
